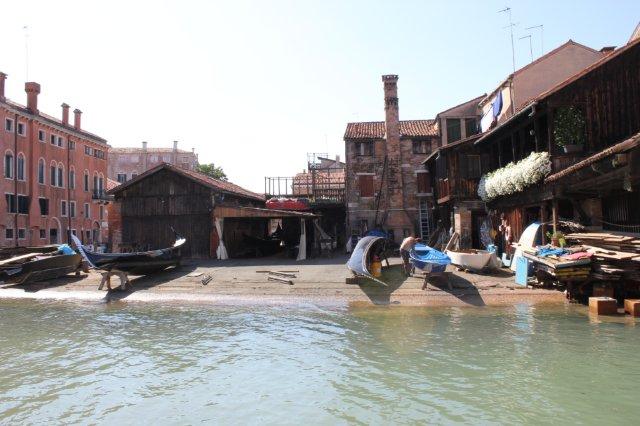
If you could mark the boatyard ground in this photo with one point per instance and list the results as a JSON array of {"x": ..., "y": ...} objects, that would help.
[{"x": 320, "y": 281}]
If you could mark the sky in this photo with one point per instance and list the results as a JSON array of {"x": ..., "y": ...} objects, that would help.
[{"x": 254, "y": 86}]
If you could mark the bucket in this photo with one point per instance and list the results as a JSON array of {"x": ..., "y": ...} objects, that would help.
[{"x": 376, "y": 267}]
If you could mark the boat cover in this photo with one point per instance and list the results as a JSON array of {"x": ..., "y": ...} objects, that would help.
[{"x": 358, "y": 261}]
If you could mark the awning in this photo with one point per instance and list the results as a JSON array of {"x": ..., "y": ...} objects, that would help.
[{"x": 259, "y": 213}]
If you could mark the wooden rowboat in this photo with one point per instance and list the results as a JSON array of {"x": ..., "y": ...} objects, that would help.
[{"x": 474, "y": 260}]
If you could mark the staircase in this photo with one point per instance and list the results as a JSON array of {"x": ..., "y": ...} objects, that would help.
[{"x": 426, "y": 221}]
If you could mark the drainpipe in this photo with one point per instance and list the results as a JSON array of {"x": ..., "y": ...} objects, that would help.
[
  {"x": 69, "y": 191},
  {"x": 15, "y": 178}
]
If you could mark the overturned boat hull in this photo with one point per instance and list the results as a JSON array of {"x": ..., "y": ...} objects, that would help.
[
  {"x": 360, "y": 261},
  {"x": 474, "y": 260}
]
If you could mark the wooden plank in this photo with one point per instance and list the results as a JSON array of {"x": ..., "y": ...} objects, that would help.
[{"x": 19, "y": 258}]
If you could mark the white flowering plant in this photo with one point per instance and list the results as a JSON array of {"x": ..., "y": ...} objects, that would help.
[{"x": 514, "y": 177}]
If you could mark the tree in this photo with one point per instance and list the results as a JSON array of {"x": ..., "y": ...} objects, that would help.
[{"x": 212, "y": 171}]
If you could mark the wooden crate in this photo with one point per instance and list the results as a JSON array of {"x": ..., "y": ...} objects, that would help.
[
  {"x": 603, "y": 305},
  {"x": 632, "y": 307}
]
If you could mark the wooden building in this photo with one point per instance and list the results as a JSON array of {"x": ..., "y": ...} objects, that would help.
[
  {"x": 594, "y": 179},
  {"x": 198, "y": 207}
]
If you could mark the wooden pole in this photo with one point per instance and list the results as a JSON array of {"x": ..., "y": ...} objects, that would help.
[
  {"x": 554, "y": 214},
  {"x": 543, "y": 219}
]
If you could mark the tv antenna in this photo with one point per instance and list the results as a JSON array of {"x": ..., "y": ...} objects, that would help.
[
  {"x": 510, "y": 26},
  {"x": 530, "y": 47},
  {"x": 26, "y": 51},
  {"x": 541, "y": 28}
]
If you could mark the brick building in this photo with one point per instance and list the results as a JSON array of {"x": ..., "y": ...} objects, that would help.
[
  {"x": 127, "y": 163},
  {"x": 387, "y": 186},
  {"x": 54, "y": 175}
]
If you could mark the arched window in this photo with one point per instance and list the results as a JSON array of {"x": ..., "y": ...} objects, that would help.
[
  {"x": 21, "y": 166},
  {"x": 86, "y": 180},
  {"x": 72, "y": 178},
  {"x": 95, "y": 183},
  {"x": 101, "y": 183},
  {"x": 8, "y": 164},
  {"x": 41, "y": 172},
  {"x": 53, "y": 177},
  {"x": 60, "y": 176}
]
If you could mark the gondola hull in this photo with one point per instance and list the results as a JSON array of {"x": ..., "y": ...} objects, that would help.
[{"x": 47, "y": 268}]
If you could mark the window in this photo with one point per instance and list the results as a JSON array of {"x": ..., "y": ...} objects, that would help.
[
  {"x": 41, "y": 172},
  {"x": 53, "y": 139},
  {"x": 470, "y": 126},
  {"x": 420, "y": 147},
  {"x": 42, "y": 136},
  {"x": 424, "y": 186},
  {"x": 20, "y": 166},
  {"x": 22, "y": 233},
  {"x": 364, "y": 148},
  {"x": 63, "y": 208},
  {"x": 8, "y": 233},
  {"x": 86, "y": 181},
  {"x": 101, "y": 184},
  {"x": 60, "y": 177},
  {"x": 60, "y": 141},
  {"x": 134, "y": 175},
  {"x": 22, "y": 129},
  {"x": 44, "y": 206},
  {"x": 72, "y": 145},
  {"x": 72, "y": 209},
  {"x": 88, "y": 234},
  {"x": 453, "y": 130},
  {"x": 365, "y": 183},
  {"x": 87, "y": 213},
  {"x": 72, "y": 179},
  {"x": 43, "y": 234},
  {"x": 8, "y": 124},
  {"x": 95, "y": 183},
  {"x": 8, "y": 165},
  {"x": 23, "y": 203},
  {"x": 88, "y": 150},
  {"x": 53, "y": 178},
  {"x": 101, "y": 212}
]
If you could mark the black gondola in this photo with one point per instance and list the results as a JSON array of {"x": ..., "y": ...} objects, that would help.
[{"x": 138, "y": 263}]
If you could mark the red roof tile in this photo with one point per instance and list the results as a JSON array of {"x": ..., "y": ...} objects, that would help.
[
  {"x": 375, "y": 129},
  {"x": 219, "y": 185},
  {"x": 112, "y": 184}
]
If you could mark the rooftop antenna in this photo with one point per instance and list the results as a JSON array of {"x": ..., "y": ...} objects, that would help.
[
  {"x": 530, "y": 47},
  {"x": 541, "y": 28},
  {"x": 26, "y": 51},
  {"x": 510, "y": 26}
]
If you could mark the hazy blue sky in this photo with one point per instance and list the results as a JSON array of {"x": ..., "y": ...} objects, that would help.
[{"x": 255, "y": 85}]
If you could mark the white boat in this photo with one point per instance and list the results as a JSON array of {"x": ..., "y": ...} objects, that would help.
[{"x": 474, "y": 260}]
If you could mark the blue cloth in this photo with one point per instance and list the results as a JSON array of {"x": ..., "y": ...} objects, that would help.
[
  {"x": 377, "y": 233},
  {"x": 548, "y": 251},
  {"x": 497, "y": 105},
  {"x": 65, "y": 249}
]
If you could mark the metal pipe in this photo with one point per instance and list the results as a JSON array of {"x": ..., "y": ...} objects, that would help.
[{"x": 15, "y": 179}]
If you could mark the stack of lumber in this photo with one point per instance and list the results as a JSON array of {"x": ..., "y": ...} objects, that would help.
[
  {"x": 615, "y": 256},
  {"x": 560, "y": 268}
]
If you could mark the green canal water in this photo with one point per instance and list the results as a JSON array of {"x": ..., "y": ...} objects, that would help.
[{"x": 131, "y": 364}]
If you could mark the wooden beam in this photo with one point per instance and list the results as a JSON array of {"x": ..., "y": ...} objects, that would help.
[{"x": 554, "y": 214}]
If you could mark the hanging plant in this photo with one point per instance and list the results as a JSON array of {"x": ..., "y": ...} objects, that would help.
[
  {"x": 568, "y": 126},
  {"x": 514, "y": 177}
]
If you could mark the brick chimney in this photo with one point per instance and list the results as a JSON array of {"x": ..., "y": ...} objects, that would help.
[
  {"x": 33, "y": 90},
  {"x": 391, "y": 119},
  {"x": 65, "y": 114},
  {"x": 77, "y": 116},
  {"x": 3, "y": 78}
]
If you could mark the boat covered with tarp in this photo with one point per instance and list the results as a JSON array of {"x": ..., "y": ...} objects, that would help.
[
  {"x": 428, "y": 259},
  {"x": 360, "y": 261},
  {"x": 23, "y": 265},
  {"x": 136, "y": 263}
]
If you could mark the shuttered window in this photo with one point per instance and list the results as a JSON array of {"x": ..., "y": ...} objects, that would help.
[
  {"x": 365, "y": 183},
  {"x": 424, "y": 185}
]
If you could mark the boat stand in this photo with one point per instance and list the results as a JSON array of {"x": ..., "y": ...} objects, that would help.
[
  {"x": 106, "y": 279},
  {"x": 438, "y": 275}
]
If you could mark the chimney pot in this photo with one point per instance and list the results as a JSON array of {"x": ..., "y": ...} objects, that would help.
[
  {"x": 33, "y": 90},
  {"x": 77, "y": 116},
  {"x": 337, "y": 158},
  {"x": 193, "y": 150},
  {"x": 175, "y": 145},
  {"x": 3, "y": 77},
  {"x": 608, "y": 49},
  {"x": 144, "y": 145},
  {"x": 65, "y": 114}
]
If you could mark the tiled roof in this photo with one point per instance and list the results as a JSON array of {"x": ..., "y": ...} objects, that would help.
[
  {"x": 54, "y": 121},
  {"x": 112, "y": 184},
  {"x": 149, "y": 150},
  {"x": 375, "y": 129},
  {"x": 219, "y": 185}
]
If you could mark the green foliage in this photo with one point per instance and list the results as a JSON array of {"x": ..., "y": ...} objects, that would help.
[
  {"x": 212, "y": 171},
  {"x": 568, "y": 126}
]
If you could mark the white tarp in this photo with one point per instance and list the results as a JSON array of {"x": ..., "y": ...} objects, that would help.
[
  {"x": 221, "y": 251},
  {"x": 302, "y": 249}
]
